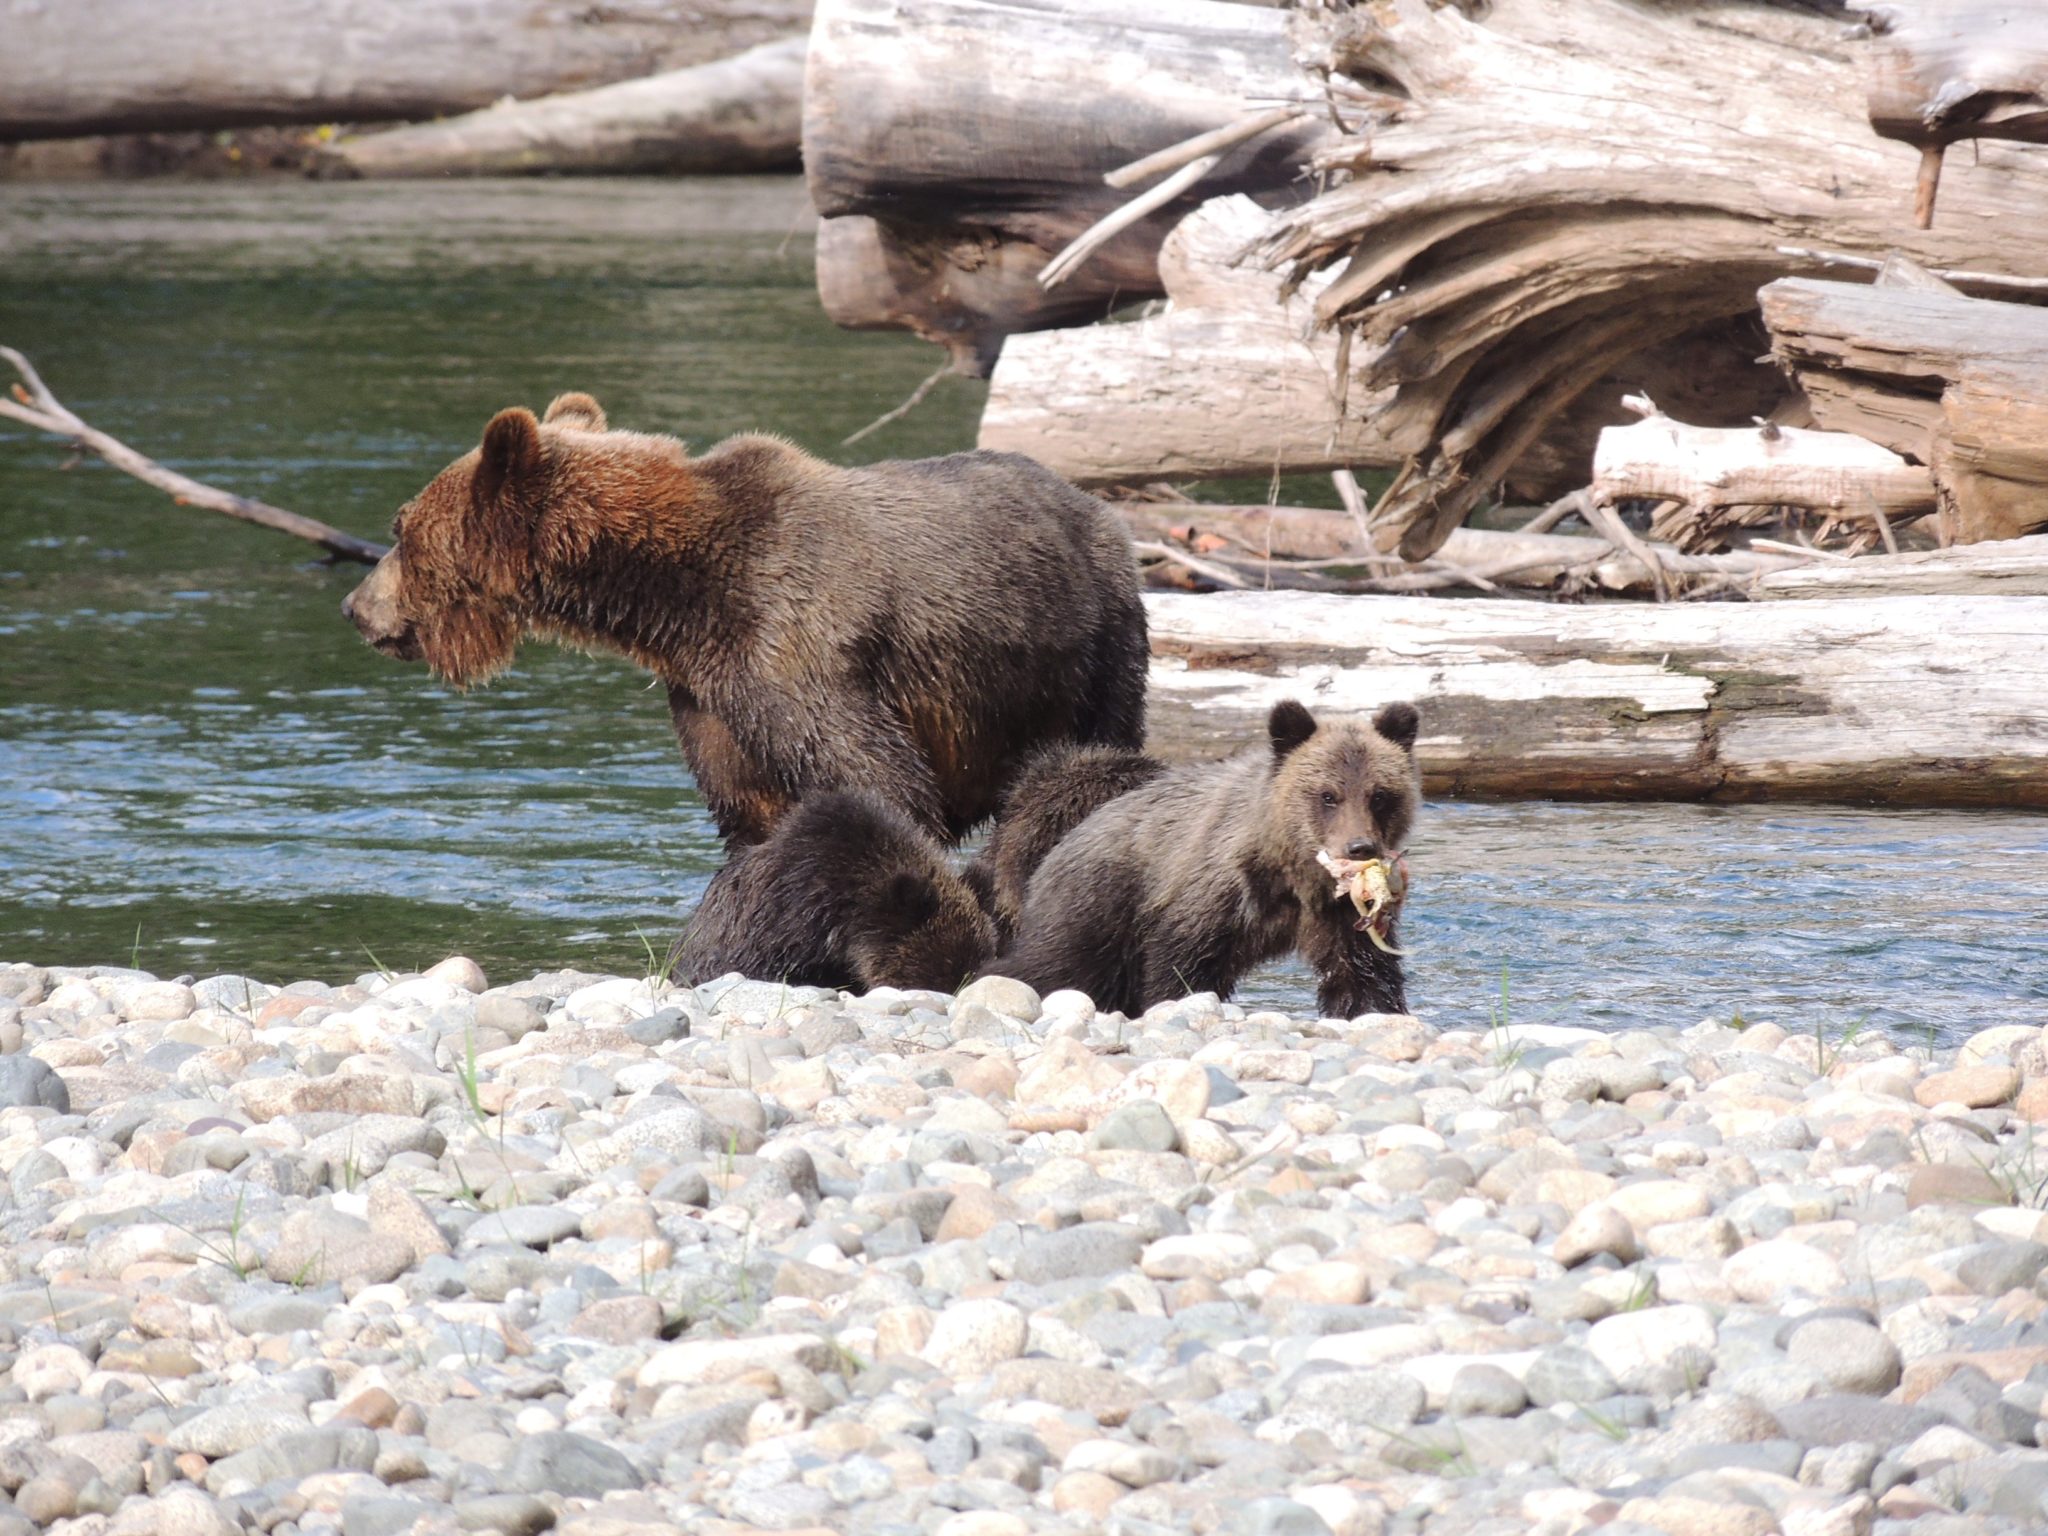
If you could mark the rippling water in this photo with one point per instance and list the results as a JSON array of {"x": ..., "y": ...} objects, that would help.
[{"x": 201, "y": 768}]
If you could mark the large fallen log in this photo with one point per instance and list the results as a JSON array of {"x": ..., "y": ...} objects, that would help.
[
  {"x": 119, "y": 66},
  {"x": 739, "y": 114},
  {"x": 1893, "y": 700},
  {"x": 979, "y": 135},
  {"x": 2009, "y": 567},
  {"x": 1574, "y": 181},
  {"x": 1959, "y": 383}
]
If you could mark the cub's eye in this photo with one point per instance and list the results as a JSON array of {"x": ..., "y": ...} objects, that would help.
[
  {"x": 1331, "y": 800},
  {"x": 1382, "y": 804}
]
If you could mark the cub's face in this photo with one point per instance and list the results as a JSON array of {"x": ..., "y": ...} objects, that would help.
[
  {"x": 449, "y": 592},
  {"x": 1351, "y": 789}
]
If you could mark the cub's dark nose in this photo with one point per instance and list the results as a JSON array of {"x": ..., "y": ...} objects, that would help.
[{"x": 1362, "y": 848}]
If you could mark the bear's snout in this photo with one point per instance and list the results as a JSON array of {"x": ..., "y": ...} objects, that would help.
[
  {"x": 1362, "y": 848},
  {"x": 373, "y": 608}
]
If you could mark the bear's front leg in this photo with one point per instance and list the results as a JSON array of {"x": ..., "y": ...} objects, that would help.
[
  {"x": 1357, "y": 976},
  {"x": 744, "y": 798}
]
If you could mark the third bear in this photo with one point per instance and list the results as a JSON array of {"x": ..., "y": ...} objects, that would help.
[{"x": 1187, "y": 882}]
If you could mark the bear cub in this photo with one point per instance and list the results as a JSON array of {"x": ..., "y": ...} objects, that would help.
[
  {"x": 1187, "y": 882},
  {"x": 846, "y": 892},
  {"x": 1057, "y": 790}
]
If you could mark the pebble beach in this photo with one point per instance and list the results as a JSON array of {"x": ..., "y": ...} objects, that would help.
[{"x": 598, "y": 1255}]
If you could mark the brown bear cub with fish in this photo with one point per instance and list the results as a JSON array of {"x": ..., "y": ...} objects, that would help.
[
  {"x": 860, "y": 668},
  {"x": 818, "y": 628}
]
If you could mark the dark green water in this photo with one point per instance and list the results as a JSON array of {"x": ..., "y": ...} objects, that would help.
[{"x": 201, "y": 767}]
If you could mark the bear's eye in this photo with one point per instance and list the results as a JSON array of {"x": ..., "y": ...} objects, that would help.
[
  {"x": 1331, "y": 800},
  {"x": 1382, "y": 804}
]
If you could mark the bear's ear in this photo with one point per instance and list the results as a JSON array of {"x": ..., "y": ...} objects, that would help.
[
  {"x": 906, "y": 901},
  {"x": 1398, "y": 723},
  {"x": 1289, "y": 726},
  {"x": 576, "y": 409},
  {"x": 512, "y": 456}
]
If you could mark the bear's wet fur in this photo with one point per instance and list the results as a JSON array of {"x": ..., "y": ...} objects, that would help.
[
  {"x": 1057, "y": 790},
  {"x": 1188, "y": 882},
  {"x": 911, "y": 629},
  {"x": 846, "y": 892}
]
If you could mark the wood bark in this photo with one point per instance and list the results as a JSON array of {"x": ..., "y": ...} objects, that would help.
[
  {"x": 979, "y": 136},
  {"x": 1574, "y": 181},
  {"x": 744, "y": 113},
  {"x": 120, "y": 66},
  {"x": 2009, "y": 567},
  {"x": 1894, "y": 700},
  {"x": 1960, "y": 384}
]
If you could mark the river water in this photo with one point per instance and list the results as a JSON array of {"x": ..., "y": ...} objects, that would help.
[{"x": 203, "y": 770}]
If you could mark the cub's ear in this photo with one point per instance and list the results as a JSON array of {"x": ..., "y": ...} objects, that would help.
[
  {"x": 1398, "y": 723},
  {"x": 1289, "y": 726},
  {"x": 906, "y": 901},
  {"x": 512, "y": 457},
  {"x": 576, "y": 409}
]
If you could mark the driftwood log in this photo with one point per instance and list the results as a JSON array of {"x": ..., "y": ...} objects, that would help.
[
  {"x": 1713, "y": 478},
  {"x": 122, "y": 66},
  {"x": 1960, "y": 384},
  {"x": 979, "y": 136},
  {"x": 1893, "y": 700},
  {"x": 1572, "y": 182},
  {"x": 739, "y": 114},
  {"x": 2010, "y": 567}
]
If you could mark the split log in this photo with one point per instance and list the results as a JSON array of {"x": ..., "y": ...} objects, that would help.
[
  {"x": 980, "y": 135},
  {"x": 125, "y": 66},
  {"x": 1234, "y": 378},
  {"x": 1710, "y": 476},
  {"x": 1895, "y": 700},
  {"x": 1946, "y": 70},
  {"x": 1959, "y": 383},
  {"x": 739, "y": 114},
  {"x": 2011, "y": 567},
  {"x": 1577, "y": 180}
]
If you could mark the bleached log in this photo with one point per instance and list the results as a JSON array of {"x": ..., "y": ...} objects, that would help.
[
  {"x": 1891, "y": 700},
  {"x": 2008, "y": 567},
  {"x": 744, "y": 113},
  {"x": 1709, "y": 471},
  {"x": 68, "y": 67},
  {"x": 1958, "y": 383},
  {"x": 1571, "y": 182},
  {"x": 967, "y": 128}
]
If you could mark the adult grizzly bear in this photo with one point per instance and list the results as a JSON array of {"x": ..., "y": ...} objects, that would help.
[
  {"x": 1058, "y": 789},
  {"x": 845, "y": 892},
  {"x": 911, "y": 629},
  {"x": 1188, "y": 882}
]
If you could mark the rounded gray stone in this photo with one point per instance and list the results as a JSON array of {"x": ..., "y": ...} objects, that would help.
[
  {"x": 1485, "y": 1391},
  {"x": 26, "y": 1083},
  {"x": 1568, "y": 1374},
  {"x": 1142, "y": 1126},
  {"x": 574, "y": 1466}
]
